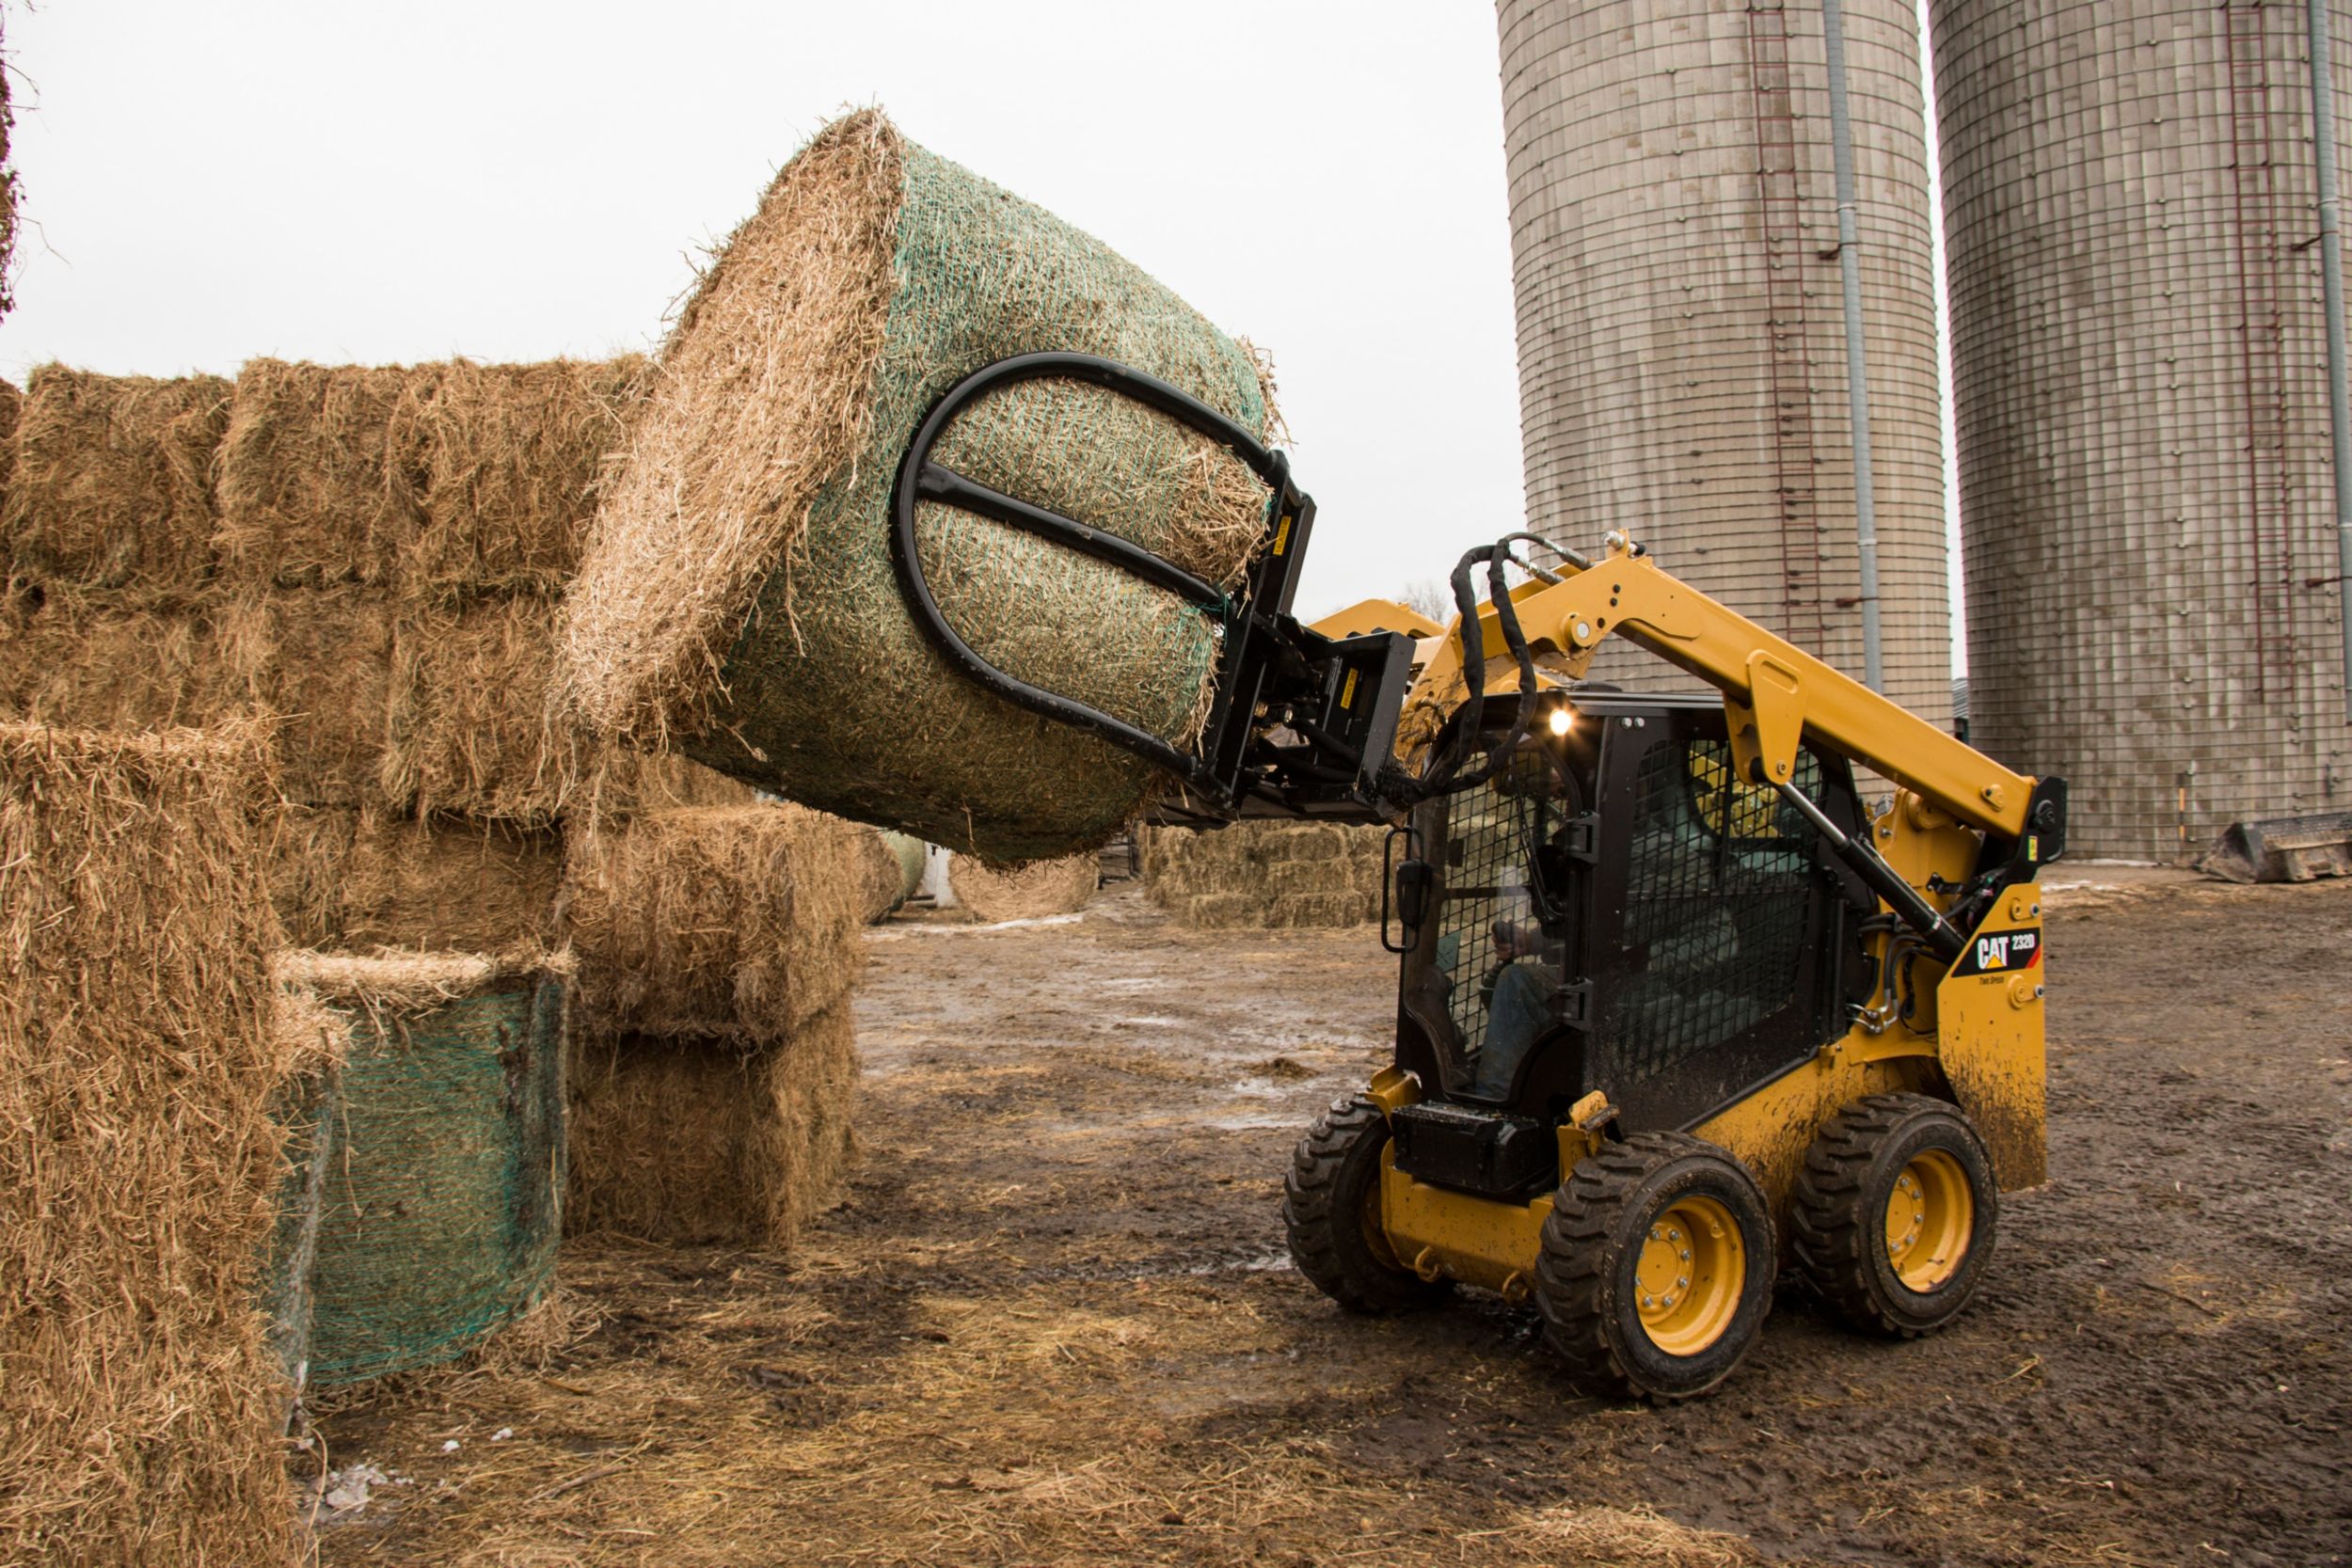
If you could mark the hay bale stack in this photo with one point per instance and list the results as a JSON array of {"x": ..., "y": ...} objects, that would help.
[
  {"x": 443, "y": 1202},
  {"x": 140, "y": 1399},
  {"x": 711, "y": 1098},
  {"x": 1034, "y": 891},
  {"x": 111, "y": 490},
  {"x": 1266, "y": 875},
  {"x": 737, "y": 598}
]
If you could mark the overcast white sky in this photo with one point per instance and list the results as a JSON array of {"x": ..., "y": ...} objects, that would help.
[{"x": 514, "y": 179}]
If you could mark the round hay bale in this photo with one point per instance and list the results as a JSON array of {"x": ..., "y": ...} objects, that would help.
[
  {"x": 443, "y": 1204},
  {"x": 1032, "y": 893},
  {"x": 737, "y": 598},
  {"x": 909, "y": 851}
]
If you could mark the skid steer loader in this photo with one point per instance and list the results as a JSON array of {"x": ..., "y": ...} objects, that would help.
[{"x": 1676, "y": 1007}]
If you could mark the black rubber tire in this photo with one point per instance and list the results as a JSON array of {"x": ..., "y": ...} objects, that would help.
[
  {"x": 1585, "y": 1280},
  {"x": 1334, "y": 1170},
  {"x": 1837, "y": 1218}
]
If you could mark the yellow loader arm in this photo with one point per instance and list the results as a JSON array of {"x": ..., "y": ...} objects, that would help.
[{"x": 1774, "y": 694}]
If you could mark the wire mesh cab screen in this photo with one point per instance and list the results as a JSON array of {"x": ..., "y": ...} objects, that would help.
[{"x": 1718, "y": 899}]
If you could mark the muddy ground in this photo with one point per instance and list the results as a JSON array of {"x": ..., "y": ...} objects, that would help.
[{"x": 1051, "y": 1321}]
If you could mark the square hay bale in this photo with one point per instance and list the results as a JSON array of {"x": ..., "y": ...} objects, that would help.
[
  {"x": 730, "y": 923},
  {"x": 1212, "y": 912},
  {"x": 737, "y": 595},
  {"x": 314, "y": 488},
  {"x": 472, "y": 731},
  {"x": 510, "y": 456},
  {"x": 1031, "y": 893},
  {"x": 111, "y": 489},
  {"x": 457, "y": 883},
  {"x": 1278, "y": 874},
  {"x": 443, "y": 1203},
  {"x": 68, "y": 661},
  {"x": 309, "y": 853},
  {"x": 140, "y": 1399},
  {"x": 323, "y": 663},
  {"x": 1300, "y": 909},
  {"x": 11, "y": 410},
  {"x": 443, "y": 483},
  {"x": 882, "y": 874},
  {"x": 698, "y": 1142}
]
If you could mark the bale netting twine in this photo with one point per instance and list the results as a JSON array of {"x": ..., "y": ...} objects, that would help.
[
  {"x": 738, "y": 599},
  {"x": 443, "y": 1199}
]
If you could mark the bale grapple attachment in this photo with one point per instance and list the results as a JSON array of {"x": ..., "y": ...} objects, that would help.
[{"x": 1298, "y": 723}]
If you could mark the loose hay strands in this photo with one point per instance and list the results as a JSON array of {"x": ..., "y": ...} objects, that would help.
[
  {"x": 738, "y": 595},
  {"x": 1047, "y": 888},
  {"x": 140, "y": 1399},
  {"x": 693, "y": 1141},
  {"x": 112, "y": 485},
  {"x": 443, "y": 1199},
  {"x": 737, "y": 925}
]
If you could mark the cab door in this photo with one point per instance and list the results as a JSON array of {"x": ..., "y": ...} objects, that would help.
[{"x": 1714, "y": 913}]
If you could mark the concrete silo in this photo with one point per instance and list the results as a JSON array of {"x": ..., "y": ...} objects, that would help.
[
  {"x": 2141, "y": 395},
  {"x": 1683, "y": 351}
]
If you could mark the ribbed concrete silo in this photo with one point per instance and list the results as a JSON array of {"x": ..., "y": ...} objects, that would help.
[
  {"x": 2141, "y": 397},
  {"x": 1682, "y": 358}
]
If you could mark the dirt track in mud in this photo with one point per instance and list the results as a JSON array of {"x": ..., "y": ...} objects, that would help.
[{"x": 1051, "y": 1321}]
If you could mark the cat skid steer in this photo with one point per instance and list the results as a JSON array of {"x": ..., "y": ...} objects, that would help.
[{"x": 1676, "y": 1008}]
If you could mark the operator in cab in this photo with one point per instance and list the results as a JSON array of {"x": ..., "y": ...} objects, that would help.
[{"x": 1518, "y": 992}]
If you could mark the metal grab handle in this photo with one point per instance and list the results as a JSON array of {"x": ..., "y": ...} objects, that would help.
[{"x": 920, "y": 479}]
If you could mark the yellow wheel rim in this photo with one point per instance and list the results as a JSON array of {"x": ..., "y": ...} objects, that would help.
[
  {"x": 1931, "y": 1218},
  {"x": 1690, "y": 1275}
]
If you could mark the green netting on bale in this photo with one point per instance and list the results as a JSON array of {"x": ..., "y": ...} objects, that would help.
[
  {"x": 443, "y": 1199},
  {"x": 837, "y": 698}
]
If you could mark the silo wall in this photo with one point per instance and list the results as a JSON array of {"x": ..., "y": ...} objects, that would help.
[
  {"x": 2140, "y": 393},
  {"x": 1682, "y": 361}
]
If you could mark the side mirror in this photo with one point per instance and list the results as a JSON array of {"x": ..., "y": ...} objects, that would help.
[{"x": 1406, "y": 887}]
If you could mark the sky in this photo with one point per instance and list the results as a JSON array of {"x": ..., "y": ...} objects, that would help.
[
  {"x": 509, "y": 179},
  {"x": 514, "y": 179}
]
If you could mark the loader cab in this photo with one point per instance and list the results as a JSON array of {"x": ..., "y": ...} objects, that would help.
[{"x": 1612, "y": 910}]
